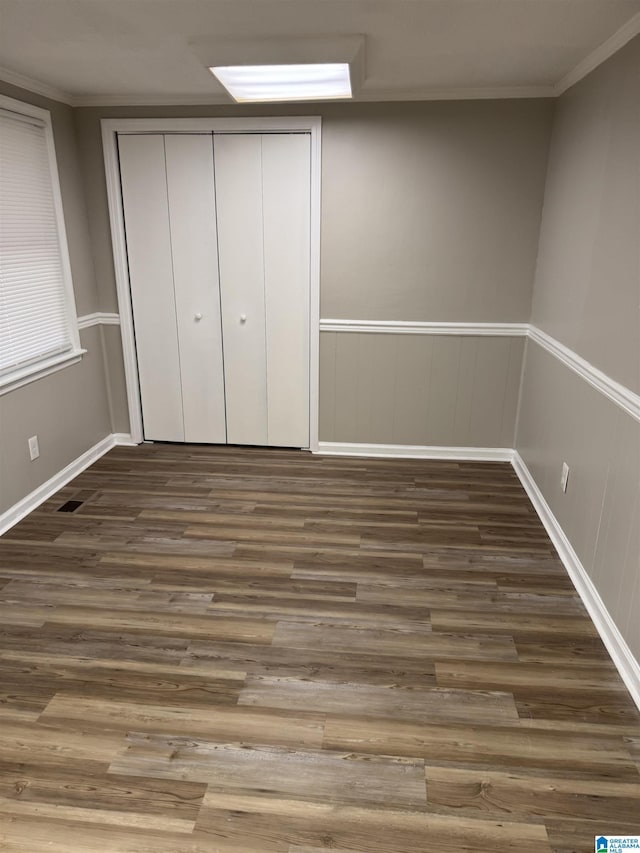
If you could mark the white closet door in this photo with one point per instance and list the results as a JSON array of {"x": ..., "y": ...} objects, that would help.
[
  {"x": 286, "y": 198},
  {"x": 222, "y": 357},
  {"x": 263, "y": 202},
  {"x": 144, "y": 194},
  {"x": 192, "y": 218},
  {"x": 238, "y": 168}
]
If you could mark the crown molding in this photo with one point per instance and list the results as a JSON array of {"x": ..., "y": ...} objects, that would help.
[
  {"x": 37, "y": 87},
  {"x": 603, "y": 52},
  {"x": 151, "y": 100},
  {"x": 462, "y": 93},
  {"x": 382, "y": 95}
]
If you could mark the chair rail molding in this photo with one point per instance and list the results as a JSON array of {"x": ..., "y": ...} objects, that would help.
[
  {"x": 98, "y": 318},
  {"x": 619, "y": 394},
  {"x": 404, "y": 327}
]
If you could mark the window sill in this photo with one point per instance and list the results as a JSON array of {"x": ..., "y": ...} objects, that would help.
[{"x": 39, "y": 370}]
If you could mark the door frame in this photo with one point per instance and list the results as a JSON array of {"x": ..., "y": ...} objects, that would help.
[{"x": 271, "y": 124}]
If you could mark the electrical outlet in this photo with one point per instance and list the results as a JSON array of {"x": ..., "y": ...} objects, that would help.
[
  {"x": 565, "y": 477},
  {"x": 34, "y": 450}
]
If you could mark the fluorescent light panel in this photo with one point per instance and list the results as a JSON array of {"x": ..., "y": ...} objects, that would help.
[{"x": 309, "y": 82}]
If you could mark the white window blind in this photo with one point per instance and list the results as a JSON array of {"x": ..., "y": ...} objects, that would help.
[{"x": 35, "y": 321}]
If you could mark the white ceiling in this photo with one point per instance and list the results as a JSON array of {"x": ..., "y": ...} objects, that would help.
[{"x": 145, "y": 51}]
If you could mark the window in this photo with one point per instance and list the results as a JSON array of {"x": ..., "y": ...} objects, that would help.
[{"x": 38, "y": 327}]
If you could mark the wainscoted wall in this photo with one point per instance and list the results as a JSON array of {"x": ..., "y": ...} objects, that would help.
[
  {"x": 114, "y": 364},
  {"x": 562, "y": 418},
  {"x": 419, "y": 389},
  {"x": 587, "y": 296},
  {"x": 67, "y": 410},
  {"x": 111, "y": 346}
]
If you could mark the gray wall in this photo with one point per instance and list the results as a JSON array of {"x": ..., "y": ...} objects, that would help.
[
  {"x": 425, "y": 390},
  {"x": 67, "y": 410},
  {"x": 116, "y": 385},
  {"x": 587, "y": 295},
  {"x": 587, "y": 285},
  {"x": 430, "y": 211}
]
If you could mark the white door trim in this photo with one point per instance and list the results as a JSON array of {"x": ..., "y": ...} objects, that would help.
[{"x": 271, "y": 124}]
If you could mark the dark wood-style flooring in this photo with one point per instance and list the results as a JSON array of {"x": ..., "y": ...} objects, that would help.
[{"x": 263, "y": 651}]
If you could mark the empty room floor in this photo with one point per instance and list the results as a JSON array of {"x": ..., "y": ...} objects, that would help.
[{"x": 227, "y": 649}]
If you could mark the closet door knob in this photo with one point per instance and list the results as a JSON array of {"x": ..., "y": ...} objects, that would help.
[
  {"x": 197, "y": 316},
  {"x": 243, "y": 318}
]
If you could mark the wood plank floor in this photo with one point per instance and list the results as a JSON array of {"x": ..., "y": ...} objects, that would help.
[{"x": 261, "y": 651}]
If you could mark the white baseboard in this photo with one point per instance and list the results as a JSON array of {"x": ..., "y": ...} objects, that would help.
[
  {"x": 124, "y": 438},
  {"x": 621, "y": 654},
  {"x": 415, "y": 451},
  {"x": 38, "y": 496},
  {"x": 50, "y": 487}
]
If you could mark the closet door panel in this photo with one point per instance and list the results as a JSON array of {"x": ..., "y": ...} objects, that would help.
[
  {"x": 192, "y": 217},
  {"x": 286, "y": 168},
  {"x": 238, "y": 172},
  {"x": 144, "y": 193}
]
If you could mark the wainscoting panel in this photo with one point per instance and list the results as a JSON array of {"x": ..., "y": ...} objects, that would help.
[
  {"x": 566, "y": 419},
  {"x": 453, "y": 390}
]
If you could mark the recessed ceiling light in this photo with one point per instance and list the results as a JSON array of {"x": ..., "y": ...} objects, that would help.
[{"x": 285, "y": 82}]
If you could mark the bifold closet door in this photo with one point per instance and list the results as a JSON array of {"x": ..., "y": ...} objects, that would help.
[
  {"x": 263, "y": 209},
  {"x": 169, "y": 206},
  {"x": 194, "y": 251}
]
